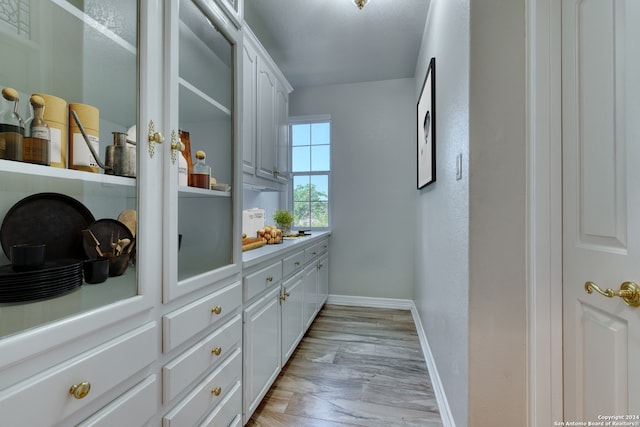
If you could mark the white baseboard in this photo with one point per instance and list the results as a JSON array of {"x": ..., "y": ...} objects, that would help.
[
  {"x": 438, "y": 388},
  {"x": 370, "y": 302},
  {"x": 441, "y": 397}
]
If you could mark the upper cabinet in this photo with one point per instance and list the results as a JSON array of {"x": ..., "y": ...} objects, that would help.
[
  {"x": 199, "y": 227},
  {"x": 265, "y": 128},
  {"x": 83, "y": 57}
]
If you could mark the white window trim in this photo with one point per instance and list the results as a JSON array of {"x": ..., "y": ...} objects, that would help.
[{"x": 316, "y": 118}]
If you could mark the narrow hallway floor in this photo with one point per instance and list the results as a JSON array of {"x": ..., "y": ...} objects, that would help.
[{"x": 356, "y": 366}]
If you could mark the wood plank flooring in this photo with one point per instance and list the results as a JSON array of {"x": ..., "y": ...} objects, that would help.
[{"x": 356, "y": 366}]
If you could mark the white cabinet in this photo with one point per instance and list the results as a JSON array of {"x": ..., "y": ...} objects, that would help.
[
  {"x": 323, "y": 280},
  {"x": 266, "y": 127},
  {"x": 292, "y": 300},
  {"x": 282, "y": 298},
  {"x": 199, "y": 223},
  {"x": 261, "y": 348},
  {"x": 249, "y": 110},
  {"x": 163, "y": 66}
]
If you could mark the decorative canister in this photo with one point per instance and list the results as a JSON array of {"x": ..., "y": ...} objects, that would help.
[
  {"x": 55, "y": 114},
  {"x": 80, "y": 157}
]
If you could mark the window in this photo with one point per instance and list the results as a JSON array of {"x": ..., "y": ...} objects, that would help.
[{"x": 310, "y": 167}]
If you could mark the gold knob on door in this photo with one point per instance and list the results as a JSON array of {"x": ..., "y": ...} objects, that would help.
[
  {"x": 216, "y": 391},
  {"x": 217, "y": 309},
  {"x": 176, "y": 145},
  {"x": 153, "y": 138},
  {"x": 217, "y": 351},
  {"x": 629, "y": 292},
  {"x": 80, "y": 390}
]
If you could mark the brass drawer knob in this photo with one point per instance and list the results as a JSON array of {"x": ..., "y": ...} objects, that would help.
[
  {"x": 216, "y": 351},
  {"x": 269, "y": 278},
  {"x": 216, "y": 391},
  {"x": 217, "y": 309},
  {"x": 80, "y": 390}
]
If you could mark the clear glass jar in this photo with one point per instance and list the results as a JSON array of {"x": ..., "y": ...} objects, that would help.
[
  {"x": 36, "y": 146},
  {"x": 201, "y": 175},
  {"x": 11, "y": 126}
]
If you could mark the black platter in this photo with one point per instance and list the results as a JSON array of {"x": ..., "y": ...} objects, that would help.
[{"x": 53, "y": 279}]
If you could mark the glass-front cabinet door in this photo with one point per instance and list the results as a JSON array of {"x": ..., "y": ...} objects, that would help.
[
  {"x": 200, "y": 172},
  {"x": 79, "y": 213}
]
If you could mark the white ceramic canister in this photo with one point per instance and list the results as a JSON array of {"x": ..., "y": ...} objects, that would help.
[
  {"x": 55, "y": 114},
  {"x": 80, "y": 157}
]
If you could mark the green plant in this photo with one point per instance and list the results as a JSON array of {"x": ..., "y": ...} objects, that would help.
[{"x": 283, "y": 217}]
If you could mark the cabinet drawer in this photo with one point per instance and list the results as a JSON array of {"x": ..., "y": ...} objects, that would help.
[
  {"x": 293, "y": 263},
  {"x": 181, "y": 371},
  {"x": 228, "y": 410},
  {"x": 323, "y": 247},
  {"x": 133, "y": 408},
  {"x": 311, "y": 252},
  {"x": 182, "y": 324},
  {"x": 102, "y": 368},
  {"x": 204, "y": 396},
  {"x": 261, "y": 280}
]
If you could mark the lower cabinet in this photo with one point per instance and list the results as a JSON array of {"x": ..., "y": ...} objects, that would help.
[
  {"x": 261, "y": 347},
  {"x": 59, "y": 392},
  {"x": 292, "y": 302},
  {"x": 276, "y": 319}
]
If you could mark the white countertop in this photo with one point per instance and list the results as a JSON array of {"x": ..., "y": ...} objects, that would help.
[{"x": 256, "y": 256}]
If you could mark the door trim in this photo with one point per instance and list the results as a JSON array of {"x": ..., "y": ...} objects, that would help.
[{"x": 544, "y": 210}]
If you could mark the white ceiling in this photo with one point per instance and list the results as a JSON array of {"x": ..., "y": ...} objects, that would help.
[{"x": 318, "y": 42}]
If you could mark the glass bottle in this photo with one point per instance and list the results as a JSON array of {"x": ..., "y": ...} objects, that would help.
[
  {"x": 183, "y": 169},
  {"x": 11, "y": 126},
  {"x": 201, "y": 175},
  {"x": 37, "y": 144}
]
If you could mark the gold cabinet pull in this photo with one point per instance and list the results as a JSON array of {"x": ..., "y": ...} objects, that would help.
[
  {"x": 269, "y": 278},
  {"x": 216, "y": 351},
  {"x": 176, "y": 145},
  {"x": 284, "y": 296},
  {"x": 80, "y": 390},
  {"x": 297, "y": 263},
  {"x": 629, "y": 292},
  {"x": 153, "y": 138},
  {"x": 216, "y": 391},
  {"x": 217, "y": 309}
]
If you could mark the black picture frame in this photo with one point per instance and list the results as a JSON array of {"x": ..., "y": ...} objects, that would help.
[{"x": 426, "y": 129}]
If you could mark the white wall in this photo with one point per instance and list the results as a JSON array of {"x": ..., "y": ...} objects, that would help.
[
  {"x": 372, "y": 184},
  {"x": 470, "y": 256},
  {"x": 497, "y": 204},
  {"x": 441, "y": 262}
]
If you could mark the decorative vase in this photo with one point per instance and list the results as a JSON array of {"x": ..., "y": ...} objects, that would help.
[{"x": 285, "y": 228}]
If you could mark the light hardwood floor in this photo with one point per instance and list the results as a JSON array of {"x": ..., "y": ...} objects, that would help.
[{"x": 355, "y": 366}]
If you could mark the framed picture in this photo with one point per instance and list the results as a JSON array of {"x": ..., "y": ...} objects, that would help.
[{"x": 426, "y": 126}]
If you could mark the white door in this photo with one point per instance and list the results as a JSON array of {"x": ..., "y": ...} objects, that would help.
[{"x": 601, "y": 207}]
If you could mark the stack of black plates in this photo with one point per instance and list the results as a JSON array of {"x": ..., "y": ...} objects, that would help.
[{"x": 54, "y": 278}]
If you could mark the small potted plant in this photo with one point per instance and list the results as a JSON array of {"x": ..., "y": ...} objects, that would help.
[{"x": 283, "y": 219}]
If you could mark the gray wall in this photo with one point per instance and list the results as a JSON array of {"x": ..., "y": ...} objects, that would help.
[
  {"x": 372, "y": 184},
  {"x": 497, "y": 206},
  {"x": 442, "y": 272}
]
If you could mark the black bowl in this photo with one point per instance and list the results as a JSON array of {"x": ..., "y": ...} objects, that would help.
[
  {"x": 28, "y": 256},
  {"x": 96, "y": 270}
]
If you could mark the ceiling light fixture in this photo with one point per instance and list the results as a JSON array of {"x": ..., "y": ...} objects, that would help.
[{"x": 361, "y": 3}]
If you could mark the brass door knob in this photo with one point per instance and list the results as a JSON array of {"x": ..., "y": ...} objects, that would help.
[
  {"x": 629, "y": 292},
  {"x": 80, "y": 390}
]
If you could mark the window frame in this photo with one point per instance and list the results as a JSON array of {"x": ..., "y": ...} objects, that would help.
[{"x": 301, "y": 120}]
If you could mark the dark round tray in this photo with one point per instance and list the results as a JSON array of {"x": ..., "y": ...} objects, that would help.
[{"x": 54, "y": 219}]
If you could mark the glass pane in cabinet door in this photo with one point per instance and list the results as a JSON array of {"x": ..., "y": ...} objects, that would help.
[
  {"x": 61, "y": 56},
  {"x": 205, "y": 92}
]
